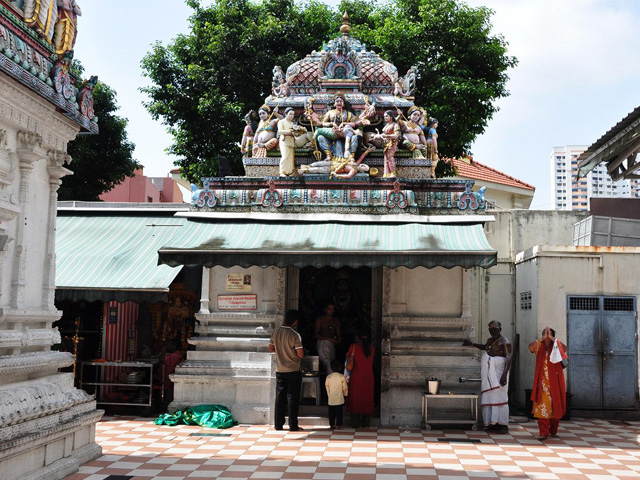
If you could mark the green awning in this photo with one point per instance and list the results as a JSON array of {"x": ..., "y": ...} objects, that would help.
[
  {"x": 320, "y": 244},
  {"x": 113, "y": 257}
]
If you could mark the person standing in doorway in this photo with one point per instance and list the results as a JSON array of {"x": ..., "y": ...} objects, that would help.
[
  {"x": 287, "y": 345},
  {"x": 337, "y": 389},
  {"x": 496, "y": 362},
  {"x": 360, "y": 399},
  {"x": 549, "y": 394},
  {"x": 327, "y": 333}
]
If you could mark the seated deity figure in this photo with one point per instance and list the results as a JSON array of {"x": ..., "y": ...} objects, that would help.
[
  {"x": 265, "y": 137},
  {"x": 412, "y": 135},
  {"x": 337, "y": 135}
]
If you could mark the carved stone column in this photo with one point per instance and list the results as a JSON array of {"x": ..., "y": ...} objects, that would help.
[
  {"x": 205, "y": 293},
  {"x": 8, "y": 207},
  {"x": 56, "y": 171},
  {"x": 28, "y": 143}
]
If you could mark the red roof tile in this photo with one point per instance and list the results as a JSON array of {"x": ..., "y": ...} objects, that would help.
[{"x": 477, "y": 171}]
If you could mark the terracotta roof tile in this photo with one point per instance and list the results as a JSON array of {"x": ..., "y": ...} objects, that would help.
[{"x": 478, "y": 171}]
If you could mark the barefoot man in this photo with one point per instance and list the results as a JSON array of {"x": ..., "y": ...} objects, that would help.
[{"x": 496, "y": 362}]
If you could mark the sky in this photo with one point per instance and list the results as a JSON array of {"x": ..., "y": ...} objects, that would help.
[{"x": 578, "y": 74}]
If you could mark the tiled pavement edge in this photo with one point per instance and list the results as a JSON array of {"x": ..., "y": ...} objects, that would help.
[{"x": 586, "y": 450}]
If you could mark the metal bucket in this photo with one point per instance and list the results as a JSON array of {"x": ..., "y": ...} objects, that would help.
[{"x": 433, "y": 386}]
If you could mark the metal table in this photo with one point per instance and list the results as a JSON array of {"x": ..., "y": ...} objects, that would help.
[{"x": 472, "y": 419}]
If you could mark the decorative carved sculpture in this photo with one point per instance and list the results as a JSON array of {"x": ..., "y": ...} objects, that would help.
[
  {"x": 279, "y": 86},
  {"x": 337, "y": 138},
  {"x": 406, "y": 86},
  {"x": 265, "y": 137},
  {"x": 85, "y": 97},
  {"x": 41, "y": 15},
  {"x": 390, "y": 136},
  {"x": 246, "y": 144},
  {"x": 66, "y": 26},
  {"x": 60, "y": 75},
  {"x": 54, "y": 20},
  {"x": 432, "y": 144}
]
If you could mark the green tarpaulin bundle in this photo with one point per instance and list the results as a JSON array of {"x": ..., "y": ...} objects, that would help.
[{"x": 210, "y": 416}]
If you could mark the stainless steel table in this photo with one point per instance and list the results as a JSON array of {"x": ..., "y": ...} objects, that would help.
[{"x": 447, "y": 418}]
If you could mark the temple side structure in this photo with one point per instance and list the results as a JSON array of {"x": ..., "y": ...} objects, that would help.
[{"x": 47, "y": 426}]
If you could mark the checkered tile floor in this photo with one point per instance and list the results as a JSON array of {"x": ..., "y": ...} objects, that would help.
[{"x": 135, "y": 448}]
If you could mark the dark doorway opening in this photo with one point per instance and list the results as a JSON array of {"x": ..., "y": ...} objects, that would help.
[{"x": 351, "y": 291}]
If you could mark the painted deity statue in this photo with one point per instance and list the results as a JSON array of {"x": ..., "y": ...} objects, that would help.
[
  {"x": 337, "y": 136},
  {"x": 432, "y": 144},
  {"x": 412, "y": 135},
  {"x": 347, "y": 170},
  {"x": 246, "y": 144},
  {"x": 390, "y": 136},
  {"x": 286, "y": 140},
  {"x": 67, "y": 25},
  {"x": 265, "y": 137},
  {"x": 54, "y": 20}
]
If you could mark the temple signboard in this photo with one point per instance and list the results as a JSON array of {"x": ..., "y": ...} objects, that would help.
[{"x": 238, "y": 302}]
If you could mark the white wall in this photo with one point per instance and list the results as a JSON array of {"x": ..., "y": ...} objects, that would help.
[
  {"x": 553, "y": 273},
  {"x": 420, "y": 291},
  {"x": 264, "y": 283}
]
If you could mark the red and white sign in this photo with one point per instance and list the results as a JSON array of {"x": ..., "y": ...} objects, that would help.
[{"x": 238, "y": 302}]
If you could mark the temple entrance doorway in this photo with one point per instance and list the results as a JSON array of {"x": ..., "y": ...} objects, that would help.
[{"x": 356, "y": 294}]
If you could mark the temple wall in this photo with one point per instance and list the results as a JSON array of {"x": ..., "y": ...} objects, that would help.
[
  {"x": 232, "y": 365},
  {"x": 47, "y": 427},
  {"x": 426, "y": 313}
]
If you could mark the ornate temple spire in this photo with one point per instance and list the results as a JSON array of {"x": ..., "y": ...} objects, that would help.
[{"x": 345, "y": 28}]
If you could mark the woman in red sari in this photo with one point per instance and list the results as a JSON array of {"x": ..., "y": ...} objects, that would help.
[
  {"x": 549, "y": 394},
  {"x": 360, "y": 399}
]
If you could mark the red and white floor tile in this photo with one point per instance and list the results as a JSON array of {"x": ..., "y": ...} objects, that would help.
[{"x": 137, "y": 449}]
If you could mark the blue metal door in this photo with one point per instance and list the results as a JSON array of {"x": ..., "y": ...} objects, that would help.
[{"x": 601, "y": 339}]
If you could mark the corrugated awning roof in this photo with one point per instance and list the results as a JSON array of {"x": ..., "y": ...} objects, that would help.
[
  {"x": 611, "y": 144},
  {"x": 333, "y": 244},
  {"x": 113, "y": 257}
]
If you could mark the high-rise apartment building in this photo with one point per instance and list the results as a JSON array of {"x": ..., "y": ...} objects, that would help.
[{"x": 571, "y": 194}]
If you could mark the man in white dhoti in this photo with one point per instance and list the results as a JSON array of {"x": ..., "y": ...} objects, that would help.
[{"x": 496, "y": 362}]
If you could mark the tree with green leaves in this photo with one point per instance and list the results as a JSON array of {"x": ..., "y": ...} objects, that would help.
[
  {"x": 99, "y": 162},
  {"x": 204, "y": 82}
]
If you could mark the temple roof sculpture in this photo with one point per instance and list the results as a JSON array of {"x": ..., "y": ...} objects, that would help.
[
  {"x": 340, "y": 133},
  {"x": 344, "y": 64},
  {"x": 36, "y": 50}
]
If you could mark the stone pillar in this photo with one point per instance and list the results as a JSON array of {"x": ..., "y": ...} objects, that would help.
[
  {"x": 56, "y": 171},
  {"x": 205, "y": 293},
  {"x": 28, "y": 143},
  {"x": 47, "y": 426}
]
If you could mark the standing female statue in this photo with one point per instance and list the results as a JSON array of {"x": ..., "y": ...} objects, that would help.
[
  {"x": 66, "y": 26},
  {"x": 287, "y": 143},
  {"x": 432, "y": 144},
  {"x": 390, "y": 135}
]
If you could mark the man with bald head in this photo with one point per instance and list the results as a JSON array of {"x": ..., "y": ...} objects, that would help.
[{"x": 496, "y": 362}]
